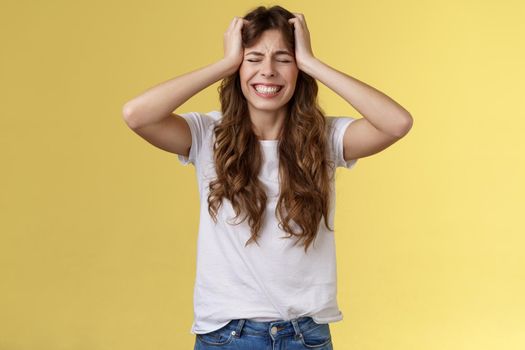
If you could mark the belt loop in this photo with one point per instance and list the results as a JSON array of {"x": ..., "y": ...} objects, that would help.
[
  {"x": 240, "y": 324},
  {"x": 295, "y": 325}
]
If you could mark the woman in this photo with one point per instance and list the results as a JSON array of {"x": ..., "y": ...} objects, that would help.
[{"x": 269, "y": 280}]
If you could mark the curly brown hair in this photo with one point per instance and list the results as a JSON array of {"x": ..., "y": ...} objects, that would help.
[{"x": 305, "y": 179}]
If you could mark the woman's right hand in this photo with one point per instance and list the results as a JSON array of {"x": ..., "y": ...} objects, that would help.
[{"x": 233, "y": 50}]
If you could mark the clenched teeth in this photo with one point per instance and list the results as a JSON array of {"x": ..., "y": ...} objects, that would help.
[{"x": 267, "y": 89}]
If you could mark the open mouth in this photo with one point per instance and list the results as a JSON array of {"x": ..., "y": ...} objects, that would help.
[{"x": 267, "y": 91}]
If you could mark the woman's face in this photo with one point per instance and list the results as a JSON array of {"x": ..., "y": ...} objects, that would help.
[{"x": 269, "y": 63}]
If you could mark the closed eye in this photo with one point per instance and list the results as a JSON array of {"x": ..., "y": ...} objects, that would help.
[{"x": 260, "y": 61}]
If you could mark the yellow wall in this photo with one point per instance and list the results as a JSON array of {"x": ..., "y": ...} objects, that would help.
[{"x": 98, "y": 227}]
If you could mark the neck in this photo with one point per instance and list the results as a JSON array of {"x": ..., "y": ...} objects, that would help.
[{"x": 267, "y": 124}]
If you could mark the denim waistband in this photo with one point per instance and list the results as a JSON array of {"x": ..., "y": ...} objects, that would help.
[{"x": 276, "y": 328}]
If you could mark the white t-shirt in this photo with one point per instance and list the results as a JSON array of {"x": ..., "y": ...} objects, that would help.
[{"x": 269, "y": 281}]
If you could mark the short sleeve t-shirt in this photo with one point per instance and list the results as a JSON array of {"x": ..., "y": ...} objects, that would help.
[{"x": 273, "y": 280}]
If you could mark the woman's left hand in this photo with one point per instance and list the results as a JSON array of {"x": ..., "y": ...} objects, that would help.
[{"x": 303, "y": 48}]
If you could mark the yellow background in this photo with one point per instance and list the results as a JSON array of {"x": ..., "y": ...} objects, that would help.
[{"x": 98, "y": 227}]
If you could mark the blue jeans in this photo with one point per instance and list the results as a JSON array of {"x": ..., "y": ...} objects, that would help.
[{"x": 245, "y": 334}]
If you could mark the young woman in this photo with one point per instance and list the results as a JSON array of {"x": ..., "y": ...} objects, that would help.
[{"x": 268, "y": 159}]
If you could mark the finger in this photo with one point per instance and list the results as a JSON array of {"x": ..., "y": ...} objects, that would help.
[
  {"x": 239, "y": 21},
  {"x": 232, "y": 23},
  {"x": 297, "y": 18},
  {"x": 236, "y": 23},
  {"x": 300, "y": 18},
  {"x": 295, "y": 22}
]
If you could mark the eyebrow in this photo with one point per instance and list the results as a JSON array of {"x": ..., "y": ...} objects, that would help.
[{"x": 278, "y": 52}]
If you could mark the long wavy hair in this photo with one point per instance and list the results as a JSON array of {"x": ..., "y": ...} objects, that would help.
[{"x": 304, "y": 176}]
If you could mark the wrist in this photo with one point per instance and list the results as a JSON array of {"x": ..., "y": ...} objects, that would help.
[
  {"x": 309, "y": 65},
  {"x": 228, "y": 66}
]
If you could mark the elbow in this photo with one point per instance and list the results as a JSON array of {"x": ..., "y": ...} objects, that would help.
[
  {"x": 405, "y": 125},
  {"x": 127, "y": 115}
]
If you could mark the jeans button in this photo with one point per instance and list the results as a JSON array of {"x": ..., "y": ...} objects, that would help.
[{"x": 274, "y": 330}]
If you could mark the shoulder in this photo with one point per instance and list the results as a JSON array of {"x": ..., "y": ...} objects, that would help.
[
  {"x": 215, "y": 116},
  {"x": 201, "y": 122},
  {"x": 336, "y": 127},
  {"x": 211, "y": 119},
  {"x": 337, "y": 122}
]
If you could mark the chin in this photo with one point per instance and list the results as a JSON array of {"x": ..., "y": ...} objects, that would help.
[{"x": 268, "y": 105}]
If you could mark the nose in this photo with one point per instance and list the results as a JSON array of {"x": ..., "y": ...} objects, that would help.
[{"x": 267, "y": 69}]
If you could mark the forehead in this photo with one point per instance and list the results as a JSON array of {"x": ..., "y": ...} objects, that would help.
[{"x": 269, "y": 41}]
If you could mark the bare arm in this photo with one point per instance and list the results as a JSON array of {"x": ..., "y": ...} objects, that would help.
[
  {"x": 385, "y": 121},
  {"x": 383, "y": 113},
  {"x": 159, "y": 101},
  {"x": 151, "y": 114}
]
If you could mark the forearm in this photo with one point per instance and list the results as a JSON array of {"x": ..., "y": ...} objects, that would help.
[
  {"x": 161, "y": 100},
  {"x": 379, "y": 109}
]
